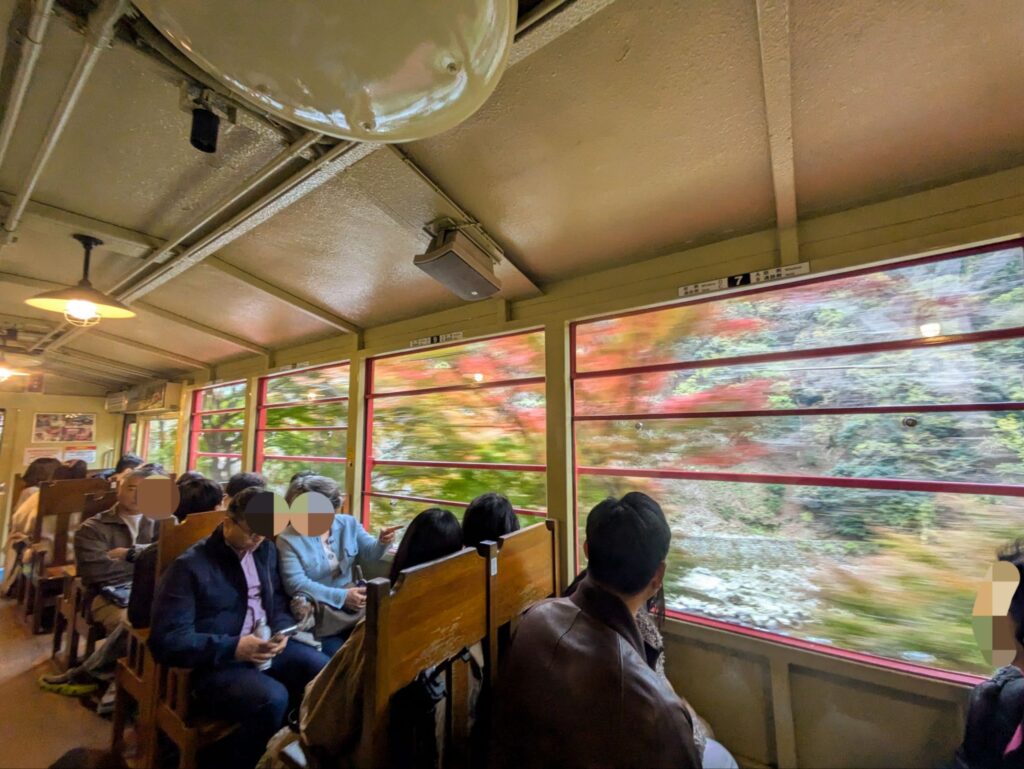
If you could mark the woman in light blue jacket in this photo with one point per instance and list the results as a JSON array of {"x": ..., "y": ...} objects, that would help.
[{"x": 321, "y": 567}]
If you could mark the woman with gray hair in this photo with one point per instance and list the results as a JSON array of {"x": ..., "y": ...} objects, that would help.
[{"x": 317, "y": 571}]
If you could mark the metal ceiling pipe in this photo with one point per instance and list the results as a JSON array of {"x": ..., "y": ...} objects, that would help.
[
  {"x": 64, "y": 333},
  {"x": 292, "y": 189},
  {"x": 97, "y": 37},
  {"x": 31, "y": 47}
]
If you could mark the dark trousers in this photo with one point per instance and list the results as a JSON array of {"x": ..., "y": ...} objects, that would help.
[{"x": 258, "y": 700}]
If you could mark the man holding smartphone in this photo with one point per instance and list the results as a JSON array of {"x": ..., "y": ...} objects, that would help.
[{"x": 221, "y": 609}]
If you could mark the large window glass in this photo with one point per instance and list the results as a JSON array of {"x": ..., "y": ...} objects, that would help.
[
  {"x": 303, "y": 424},
  {"x": 448, "y": 424},
  {"x": 839, "y": 459},
  {"x": 159, "y": 441},
  {"x": 216, "y": 439}
]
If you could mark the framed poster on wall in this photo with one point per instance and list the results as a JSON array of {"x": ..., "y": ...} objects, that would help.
[{"x": 63, "y": 428}]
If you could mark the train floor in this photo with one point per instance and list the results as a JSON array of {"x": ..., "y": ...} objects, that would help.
[{"x": 36, "y": 727}]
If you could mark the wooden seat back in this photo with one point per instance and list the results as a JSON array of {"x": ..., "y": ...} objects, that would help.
[
  {"x": 61, "y": 500},
  {"x": 175, "y": 540},
  {"x": 434, "y": 612}
]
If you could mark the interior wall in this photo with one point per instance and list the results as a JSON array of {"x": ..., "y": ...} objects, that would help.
[
  {"x": 775, "y": 705},
  {"x": 20, "y": 409}
]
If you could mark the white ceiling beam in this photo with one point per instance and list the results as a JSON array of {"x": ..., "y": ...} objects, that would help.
[
  {"x": 76, "y": 376},
  {"x": 776, "y": 73},
  {"x": 159, "y": 352},
  {"x": 309, "y": 178},
  {"x": 552, "y": 21},
  {"x": 171, "y": 317},
  {"x": 325, "y": 316},
  {"x": 86, "y": 370},
  {"x": 113, "y": 366},
  {"x": 46, "y": 285},
  {"x": 43, "y": 218},
  {"x": 37, "y": 325}
]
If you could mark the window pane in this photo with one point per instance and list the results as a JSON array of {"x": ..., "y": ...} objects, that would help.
[
  {"x": 525, "y": 490},
  {"x": 219, "y": 443},
  {"x": 160, "y": 443},
  {"x": 955, "y": 296},
  {"x": 500, "y": 424},
  {"x": 308, "y": 385},
  {"x": 279, "y": 472},
  {"x": 977, "y": 373},
  {"x": 322, "y": 415},
  {"x": 488, "y": 360},
  {"x": 399, "y": 512},
  {"x": 889, "y": 573},
  {"x": 306, "y": 443},
  {"x": 219, "y": 469},
  {"x": 231, "y": 396},
  {"x": 979, "y": 447},
  {"x": 222, "y": 421}
]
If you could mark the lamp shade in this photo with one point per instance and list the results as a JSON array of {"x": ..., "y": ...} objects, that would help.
[
  {"x": 78, "y": 300},
  {"x": 381, "y": 71}
]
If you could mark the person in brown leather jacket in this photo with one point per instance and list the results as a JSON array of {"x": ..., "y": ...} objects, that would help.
[{"x": 576, "y": 689}]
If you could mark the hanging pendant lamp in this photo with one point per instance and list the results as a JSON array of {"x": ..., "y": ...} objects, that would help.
[{"x": 82, "y": 305}]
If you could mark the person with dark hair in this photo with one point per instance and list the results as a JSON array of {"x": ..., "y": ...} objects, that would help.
[
  {"x": 217, "y": 610},
  {"x": 23, "y": 519},
  {"x": 331, "y": 713},
  {"x": 994, "y": 735},
  {"x": 317, "y": 571},
  {"x": 191, "y": 475},
  {"x": 239, "y": 481},
  {"x": 300, "y": 474},
  {"x": 585, "y": 654},
  {"x": 126, "y": 463},
  {"x": 488, "y": 517},
  {"x": 194, "y": 496}
]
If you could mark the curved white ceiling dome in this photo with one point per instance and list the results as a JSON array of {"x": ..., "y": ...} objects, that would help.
[{"x": 369, "y": 70}]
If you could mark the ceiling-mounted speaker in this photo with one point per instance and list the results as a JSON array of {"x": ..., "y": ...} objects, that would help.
[{"x": 461, "y": 266}]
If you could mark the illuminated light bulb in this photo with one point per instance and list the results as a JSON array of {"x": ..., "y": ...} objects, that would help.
[
  {"x": 5, "y": 374},
  {"x": 81, "y": 309},
  {"x": 478, "y": 377},
  {"x": 931, "y": 329}
]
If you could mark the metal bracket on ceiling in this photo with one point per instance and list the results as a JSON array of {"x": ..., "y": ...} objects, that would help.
[
  {"x": 471, "y": 229},
  {"x": 192, "y": 96}
]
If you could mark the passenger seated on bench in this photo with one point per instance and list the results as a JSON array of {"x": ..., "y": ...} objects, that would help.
[
  {"x": 102, "y": 663},
  {"x": 195, "y": 496},
  {"x": 584, "y": 655},
  {"x": 239, "y": 482},
  {"x": 210, "y": 606},
  {"x": 331, "y": 716},
  {"x": 994, "y": 737},
  {"x": 125, "y": 464},
  {"x": 25, "y": 508},
  {"x": 317, "y": 571},
  {"x": 487, "y": 518},
  {"x": 107, "y": 545}
]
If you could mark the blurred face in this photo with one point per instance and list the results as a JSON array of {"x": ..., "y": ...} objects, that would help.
[
  {"x": 993, "y": 627},
  {"x": 240, "y": 536},
  {"x": 156, "y": 497}
]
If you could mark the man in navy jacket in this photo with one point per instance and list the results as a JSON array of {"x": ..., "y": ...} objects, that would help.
[{"x": 208, "y": 609}]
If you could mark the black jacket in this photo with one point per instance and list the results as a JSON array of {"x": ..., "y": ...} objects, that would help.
[
  {"x": 995, "y": 712},
  {"x": 201, "y": 602}
]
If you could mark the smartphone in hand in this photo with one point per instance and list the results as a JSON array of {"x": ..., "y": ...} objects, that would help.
[{"x": 287, "y": 632}]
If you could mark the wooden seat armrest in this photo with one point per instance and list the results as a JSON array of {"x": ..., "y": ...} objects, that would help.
[{"x": 176, "y": 684}]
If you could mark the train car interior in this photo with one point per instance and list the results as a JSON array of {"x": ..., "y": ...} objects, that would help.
[{"x": 491, "y": 383}]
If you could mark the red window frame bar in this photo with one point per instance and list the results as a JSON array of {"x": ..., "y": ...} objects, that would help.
[
  {"x": 897, "y": 484},
  {"x": 369, "y": 462},
  {"x": 262, "y": 408},
  {"x": 196, "y": 428}
]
